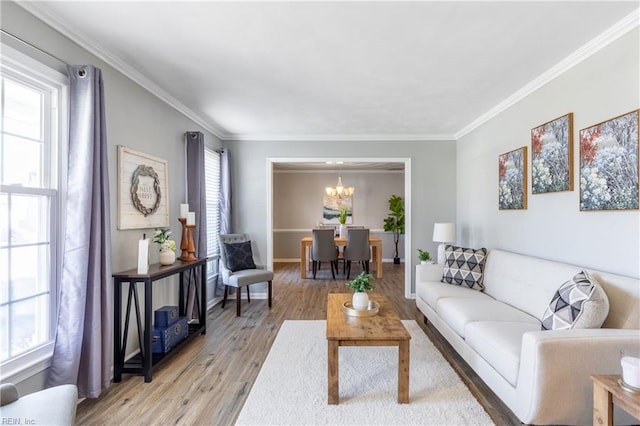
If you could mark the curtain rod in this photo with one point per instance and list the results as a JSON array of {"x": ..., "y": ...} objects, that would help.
[{"x": 15, "y": 37}]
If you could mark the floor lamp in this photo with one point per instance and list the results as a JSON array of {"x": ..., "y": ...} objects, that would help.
[{"x": 443, "y": 233}]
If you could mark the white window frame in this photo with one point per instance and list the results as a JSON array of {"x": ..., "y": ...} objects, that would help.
[{"x": 27, "y": 70}]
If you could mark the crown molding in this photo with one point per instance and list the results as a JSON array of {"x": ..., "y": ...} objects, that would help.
[
  {"x": 613, "y": 33},
  {"x": 95, "y": 49},
  {"x": 341, "y": 138}
]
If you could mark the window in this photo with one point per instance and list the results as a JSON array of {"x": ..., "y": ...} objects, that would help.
[
  {"x": 212, "y": 182},
  {"x": 30, "y": 116}
]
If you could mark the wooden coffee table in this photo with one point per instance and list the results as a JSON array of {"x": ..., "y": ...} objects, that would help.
[{"x": 383, "y": 329}]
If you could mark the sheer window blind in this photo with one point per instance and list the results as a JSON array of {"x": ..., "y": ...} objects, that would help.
[{"x": 212, "y": 178}]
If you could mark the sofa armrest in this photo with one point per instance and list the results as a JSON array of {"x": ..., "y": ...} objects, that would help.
[
  {"x": 429, "y": 272},
  {"x": 556, "y": 368},
  {"x": 8, "y": 394}
]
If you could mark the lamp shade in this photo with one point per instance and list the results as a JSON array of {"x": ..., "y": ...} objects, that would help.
[{"x": 444, "y": 232}]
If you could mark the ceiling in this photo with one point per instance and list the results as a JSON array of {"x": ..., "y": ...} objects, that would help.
[{"x": 349, "y": 70}]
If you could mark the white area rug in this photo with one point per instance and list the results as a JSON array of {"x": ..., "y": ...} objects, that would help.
[{"x": 291, "y": 387}]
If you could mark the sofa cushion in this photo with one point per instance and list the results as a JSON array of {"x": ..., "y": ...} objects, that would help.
[
  {"x": 578, "y": 303},
  {"x": 239, "y": 256},
  {"x": 457, "y": 313},
  {"x": 431, "y": 292},
  {"x": 464, "y": 266},
  {"x": 499, "y": 343}
]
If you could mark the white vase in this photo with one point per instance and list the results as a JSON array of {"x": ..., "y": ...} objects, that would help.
[
  {"x": 360, "y": 301},
  {"x": 166, "y": 256},
  {"x": 343, "y": 231}
]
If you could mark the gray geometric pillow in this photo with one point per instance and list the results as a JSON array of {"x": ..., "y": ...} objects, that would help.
[
  {"x": 239, "y": 256},
  {"x": 464, "y": 266},
  {"x": 578, "y": 303}
]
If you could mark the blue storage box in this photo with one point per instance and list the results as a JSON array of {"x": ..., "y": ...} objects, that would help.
[
  {"x": 165, "y": 338},
  {"x": 165, "y": 316}
]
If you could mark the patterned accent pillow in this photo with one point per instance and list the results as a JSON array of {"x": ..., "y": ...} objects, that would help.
[
  {"x": 578, "y": 303},
  {"x": 239, "y": 256},
  {"x": 464, "y": 266}
]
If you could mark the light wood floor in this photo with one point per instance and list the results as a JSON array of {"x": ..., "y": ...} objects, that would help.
[{"x": 209, "y": 379}]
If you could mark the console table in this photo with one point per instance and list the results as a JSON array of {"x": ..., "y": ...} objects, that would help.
[{"x": 145, "y": 360}]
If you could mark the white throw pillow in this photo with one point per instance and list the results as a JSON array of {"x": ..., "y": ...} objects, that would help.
[{"x": 579, "y": 303}]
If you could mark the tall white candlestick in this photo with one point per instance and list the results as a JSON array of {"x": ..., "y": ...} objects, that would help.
[
  {"x": 184, "y": 209},
  {"x": 143, "y": 256},
  {"x": 191, "y": 218}
]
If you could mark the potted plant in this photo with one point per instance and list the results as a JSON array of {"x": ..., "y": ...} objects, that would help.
[
  {"x": 394, "y": 222},
  {"x": 361, "y": 285},
  {"x": 342, "y": 218},
  {"x": 167, "y": 255},
  {"x": 424, "y": 256}
]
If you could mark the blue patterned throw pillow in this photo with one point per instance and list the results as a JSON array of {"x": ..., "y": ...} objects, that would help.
[{"x": 239, "y": 256}]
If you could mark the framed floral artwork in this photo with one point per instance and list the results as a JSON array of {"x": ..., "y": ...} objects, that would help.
[
  {"x": 552, "y": 156},
  {"x": 609, "y": 164},
  {"x": 512, "y": 180}
]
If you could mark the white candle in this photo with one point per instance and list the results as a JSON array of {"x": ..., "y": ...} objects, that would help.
[
  {"x": 143, "y": 256},
  {"x": 191, "y": 218},
  {"x": 184, "y": 209},
  {"x": 631, "y": 370}
]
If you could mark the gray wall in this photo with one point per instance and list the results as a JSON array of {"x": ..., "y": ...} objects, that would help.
[
  {"x": 432, "y": 174},
  {"x": 298, "y": 198},
  {"x": 601, "y": 87},
  {"x": 136, "y": 119}
]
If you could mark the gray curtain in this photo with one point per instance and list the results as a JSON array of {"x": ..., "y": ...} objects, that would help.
[
  {"x": 225, "y": 207},
  {"x": 83, "y": 344},
  {"x": 197, "y": 199}
]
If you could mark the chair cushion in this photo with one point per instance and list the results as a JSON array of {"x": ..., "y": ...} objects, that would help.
[
  {"x": 239, "y": 256},
  {"x": 249, "y": 276},
  {"x": 578, "y": 303},
  {"x": 464, "y": 266}
]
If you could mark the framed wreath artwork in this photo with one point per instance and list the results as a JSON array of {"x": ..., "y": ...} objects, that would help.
[
  {"x": 512, "y": 180},
  {"x": 552, "y": 156},
  {"x": 609, "y": 164},
  {"x": 143, "y": 199}
]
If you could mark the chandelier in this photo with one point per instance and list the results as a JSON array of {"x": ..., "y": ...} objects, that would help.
[{"x": 340, "y": 190}]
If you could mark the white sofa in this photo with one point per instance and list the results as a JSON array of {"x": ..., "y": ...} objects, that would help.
[{"x": 542, "y": 376}]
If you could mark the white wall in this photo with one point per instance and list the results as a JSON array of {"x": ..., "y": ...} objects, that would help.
[
  {"x": 136, "y": 119},
  {"x": 601, "y": 87},
  {"x": 298, "y": 205},
  {"x": 432, "y": 172}
]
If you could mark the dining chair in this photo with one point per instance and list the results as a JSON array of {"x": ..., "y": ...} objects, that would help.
[
  {"x": 323, "y": 249},
  {"x": 238, "y": 268},
  {"x": 357, "y": 249}
]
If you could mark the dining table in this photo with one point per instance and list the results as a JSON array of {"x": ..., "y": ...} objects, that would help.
[{"x": 376, "y": 253}]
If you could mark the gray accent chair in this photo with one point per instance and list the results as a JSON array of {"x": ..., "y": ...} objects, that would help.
[
  {"x": 241, "y": 278},
  {"x": 323, "y": 249},
  {"x": 52, "y": 406},
  {"x": 357, "y": 249}
]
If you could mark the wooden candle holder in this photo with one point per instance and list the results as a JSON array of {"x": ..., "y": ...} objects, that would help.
[{"x": 186, "y": 243}]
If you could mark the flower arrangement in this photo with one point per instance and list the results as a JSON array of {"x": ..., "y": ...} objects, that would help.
[
  {"x": 361, "y": 283},
  {"x": 161, "y": 237}
]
